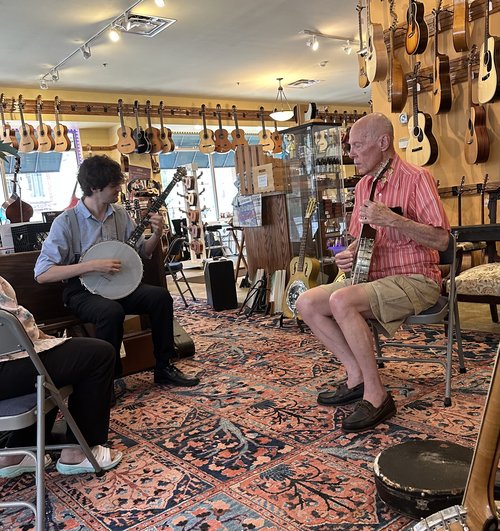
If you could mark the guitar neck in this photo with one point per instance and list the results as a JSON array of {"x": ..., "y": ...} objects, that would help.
[
  {"x": 479, "y": 493},
  {"x": 302, "y": 248}
]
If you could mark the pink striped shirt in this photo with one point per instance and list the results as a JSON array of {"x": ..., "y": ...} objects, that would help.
[{"x": 413, "y": 190}]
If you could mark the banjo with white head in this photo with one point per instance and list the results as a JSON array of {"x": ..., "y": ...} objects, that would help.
[{"x": 124, "y": 282}]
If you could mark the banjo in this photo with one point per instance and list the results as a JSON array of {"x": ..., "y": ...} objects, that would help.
[
  {"x": 366, "y": 242},
  {"x": 124, "y": 282}
]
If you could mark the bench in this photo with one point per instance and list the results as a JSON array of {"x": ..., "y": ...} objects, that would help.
[{"x": 44, "y": 301}]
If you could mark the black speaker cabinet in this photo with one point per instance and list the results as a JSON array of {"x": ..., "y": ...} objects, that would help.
[{"x": 220, "y": 284}]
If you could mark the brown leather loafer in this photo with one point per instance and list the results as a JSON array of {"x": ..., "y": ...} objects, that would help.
[
  {"x": 365, "y": 416},
  {"x": 342, "y": 395}
]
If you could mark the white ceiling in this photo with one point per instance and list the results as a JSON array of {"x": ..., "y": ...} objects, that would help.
[{"x": 217, "y": 48}]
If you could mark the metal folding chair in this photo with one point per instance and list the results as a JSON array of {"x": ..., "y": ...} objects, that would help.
[
  {"x": 23, "y": 411},
  {"x": 445, "y": 311},
  {"x": 174, "y": 267}
]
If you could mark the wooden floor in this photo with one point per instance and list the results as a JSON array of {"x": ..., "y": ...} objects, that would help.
[{"x": 472, "y": 316}]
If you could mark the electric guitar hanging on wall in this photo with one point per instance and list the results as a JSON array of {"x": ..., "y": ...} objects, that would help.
[
  {"x": 441, "y": 82},
  {"x": 45, "y": 140},
  {"x": 61, "y": 138},
  {"x": 477, "y": 141},
  {"x": 488, "y": 83},
  {"x": 304, "y": 270},
  {"x": 422, "y": 148},
  {"x": 417, "y": 33},
  {"x": 366, "y": 240},
  {"x": 28, "y": 142},
  {"x": 376, "y": 54},
  {"x": 8, "y": 133},
  {"x": 362, "y": 77}
]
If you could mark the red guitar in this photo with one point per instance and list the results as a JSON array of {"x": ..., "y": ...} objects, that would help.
[{"x": 8, "y": 133}]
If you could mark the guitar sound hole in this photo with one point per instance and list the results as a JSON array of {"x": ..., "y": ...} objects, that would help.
[{"x": 487, "y": 60}]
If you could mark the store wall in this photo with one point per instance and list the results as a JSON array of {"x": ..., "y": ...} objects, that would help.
[{"x": 449, "y": 129}]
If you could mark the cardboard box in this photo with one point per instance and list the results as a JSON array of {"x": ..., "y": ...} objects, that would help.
[{"x": 268, "y": 178}]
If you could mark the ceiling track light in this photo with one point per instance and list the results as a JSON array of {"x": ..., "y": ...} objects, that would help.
[
  {"x": 113, "y": 32},
  {"x": 86, "y": 51},
  {"x": 313, "y": 41},
  {"x": 280, "y": 113}
]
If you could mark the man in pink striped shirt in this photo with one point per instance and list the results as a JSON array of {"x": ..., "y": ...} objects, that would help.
[{"x": 403, "y": 276}]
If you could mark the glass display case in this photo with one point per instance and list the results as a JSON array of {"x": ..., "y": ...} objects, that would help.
[{"x": 318, "y": 166}]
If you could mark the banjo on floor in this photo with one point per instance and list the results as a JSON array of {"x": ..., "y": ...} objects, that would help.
[
  {"x": 366, "y": 242},
  {"x": 124, "y": 282}
]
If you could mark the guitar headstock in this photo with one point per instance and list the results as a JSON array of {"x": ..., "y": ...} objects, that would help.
[
  {"x": 311, "y": 207},
  {"x": 20, "y": 102},
  {"x": 57, "y": 105},
  {"x": 179, "y": 174},
  {"x": 17, "y": 166}
]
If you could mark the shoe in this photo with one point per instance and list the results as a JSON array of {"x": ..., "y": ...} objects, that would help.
[
  {"x": 366, "y": 416},
  {"x": 170, "y": 374},
  {"x": 342, "y": 395},
  {"x": 103, "y": 456},
  {"x": 26, "y": 465}
]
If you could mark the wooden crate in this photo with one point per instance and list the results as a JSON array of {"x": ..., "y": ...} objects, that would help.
[
  {"x": 249, "y": 157},
  {"x": 268, "y": 178}
]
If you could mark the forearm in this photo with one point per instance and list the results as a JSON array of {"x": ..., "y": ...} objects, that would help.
[
  {"x": 56, "y": 273},
  {"x": 432, "y": 237},
  {"x": 151, "y": 243}
]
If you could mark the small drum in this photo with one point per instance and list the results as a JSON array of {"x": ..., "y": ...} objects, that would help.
[
  {"x": 420, "y": 478},
  {"x": 115, "y": 285}
]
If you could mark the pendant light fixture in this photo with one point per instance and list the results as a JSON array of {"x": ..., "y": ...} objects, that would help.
[{"x": 281, "y": 113}]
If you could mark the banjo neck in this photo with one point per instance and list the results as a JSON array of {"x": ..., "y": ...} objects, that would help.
[{"x": 155, "y": 207}]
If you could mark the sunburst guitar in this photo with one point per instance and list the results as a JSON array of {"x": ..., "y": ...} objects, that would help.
[{"x": 304, "y": 270}]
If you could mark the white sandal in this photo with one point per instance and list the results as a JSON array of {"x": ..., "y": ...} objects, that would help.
[
  {"x": 26, "y": 465},
  {"x": 102, "y": 455}
]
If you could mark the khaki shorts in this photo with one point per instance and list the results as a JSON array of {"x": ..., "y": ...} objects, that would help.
[{"x": 394, "y": 298}]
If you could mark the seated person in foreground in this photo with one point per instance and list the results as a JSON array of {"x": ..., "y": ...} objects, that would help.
[
  {"x": 96, "y": 218},
  {"x": 85, "y": 363},
  {"x": 404, "y": 277}
]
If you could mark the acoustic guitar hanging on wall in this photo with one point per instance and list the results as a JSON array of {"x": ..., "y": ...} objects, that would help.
[{"x": 8, "y": 132}]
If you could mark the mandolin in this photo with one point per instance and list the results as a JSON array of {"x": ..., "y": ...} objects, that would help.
[
  {"x": 8, "y": 133},
  {"x": 417, "y": 33},
  {"x": 277, "y": 139},
  {"x": 376, "y": 54},
  {"x": 477, "y": 142},
  {"x": 397, "y": 89},
  {"x": 141, "y": 140},
  {"x": 488, "y": 83},
  {"x": 46, "y": 141},
  {"x": 237, "y": 134},
  {"x": 265, "y": 138},
  {"x": 207, "y": 142},
  {"x": 422, "y": 148},
  {"x": 366, "y": 240},
  {"x": 16, "y": 210},
  {"x": 126, "y": 142},
  {"x": 460, "y": 30},
  {"x": 153, "y": 133},
  {"x": 165, "y": 133},
  {"x": 441, "y": 82},
  {"x": 27, "y": 142},
  {"x": 362, "y": 77},
  {"x": 61, "y": 138},
  {"x": 222, "y": 142},
  {"x": 478, "y": 511},
  {"x": 303, "y": 270}
]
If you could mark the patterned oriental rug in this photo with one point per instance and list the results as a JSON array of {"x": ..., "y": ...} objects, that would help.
[{"x": 250, "y": 448}]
